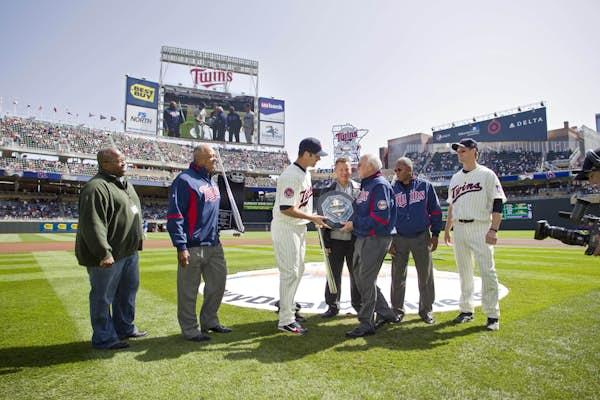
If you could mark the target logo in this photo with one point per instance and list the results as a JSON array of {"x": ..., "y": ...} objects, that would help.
[{"x": 494, "y": 127}]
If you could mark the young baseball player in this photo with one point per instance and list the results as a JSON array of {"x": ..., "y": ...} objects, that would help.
[
  {"x": 292, "y": 211},
  {"x": 475, "y": 200}
]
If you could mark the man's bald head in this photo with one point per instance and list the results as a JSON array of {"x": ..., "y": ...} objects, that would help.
[
  {"x": 205, "y": 156},
  {"x": 111, "y": 160}
]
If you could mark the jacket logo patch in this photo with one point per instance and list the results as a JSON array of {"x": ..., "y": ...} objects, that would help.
[
  {"x": 210, "y": 193},
  {"x": 382, "y": 204},
  {"x": 288, "y": 192},
  {"x": 362, "y": 197}
]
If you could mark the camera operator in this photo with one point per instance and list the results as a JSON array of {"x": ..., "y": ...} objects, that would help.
[{"x": 590, "y": 172}]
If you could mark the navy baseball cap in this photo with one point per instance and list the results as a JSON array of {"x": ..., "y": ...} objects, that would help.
[
  {"x": 312, "y": 145},
  {"x": 590, "y": 163},
  {"x": 467, "y": 142}
]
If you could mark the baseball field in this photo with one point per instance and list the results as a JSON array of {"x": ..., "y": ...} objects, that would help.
[{"x": 548, "y": 346}]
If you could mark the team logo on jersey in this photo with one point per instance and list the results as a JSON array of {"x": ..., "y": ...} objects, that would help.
[
  {"x": 458, "y": 191},
  {"x": 415, "y": 197},
  {"x": 305, "y": 196},
  {"x": 363, "y": 196},
  {"x": 382, "y": 204},
  {"x": 288, "y": 192},
  {"x": 211, "y": 193}
]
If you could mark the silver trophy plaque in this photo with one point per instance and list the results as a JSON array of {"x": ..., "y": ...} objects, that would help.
[{"x": 337, "y": 207}]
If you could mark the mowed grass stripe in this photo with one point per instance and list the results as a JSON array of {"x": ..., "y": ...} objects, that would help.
[
  {"x": 57, "y": 237},
  {"x": 10, "y": 238}
]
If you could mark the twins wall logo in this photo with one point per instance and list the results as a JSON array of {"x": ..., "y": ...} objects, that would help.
[
  {"x": 208, "y": 78},
  {"x": 414, "y": 196},
  {"x": 211, "y": 193}
]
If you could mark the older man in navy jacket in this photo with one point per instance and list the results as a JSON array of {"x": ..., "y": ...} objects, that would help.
[
  {"x": 192, "y": 222},
  {"x": 373, "y": 225},
  {"x": 418, "y": 213}
]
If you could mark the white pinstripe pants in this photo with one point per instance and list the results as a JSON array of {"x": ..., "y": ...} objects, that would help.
[
  {"x": 290, "y": 246},
  {"x": 469, "y": 245}
]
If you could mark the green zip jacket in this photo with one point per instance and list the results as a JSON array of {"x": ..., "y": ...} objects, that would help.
[{"x": 110, "y": 221}]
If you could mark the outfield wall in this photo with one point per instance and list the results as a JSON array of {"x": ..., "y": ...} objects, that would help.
[{"x": 260, "y": 221}]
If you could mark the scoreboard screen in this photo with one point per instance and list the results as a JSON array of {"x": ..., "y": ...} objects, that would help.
[
  {"x": 517, "y": 211},
  {"x": 511, "y": 211}
]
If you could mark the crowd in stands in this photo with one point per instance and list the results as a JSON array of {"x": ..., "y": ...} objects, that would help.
[
  {"x": 260, "y": 181},
  {"x": 53, "y": 208},
  {"x": 512, "y": 163},
  {"x": 29, "y": 209},
  {"x": 53, "y": 139}
]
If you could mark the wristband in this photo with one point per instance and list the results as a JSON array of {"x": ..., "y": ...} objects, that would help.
[{"x": 495, "y": 230}]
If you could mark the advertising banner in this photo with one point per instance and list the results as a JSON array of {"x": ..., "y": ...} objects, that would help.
[
  {"x": 271, "y": 110},
  {"x": 140, "y": 119},
  {"x": 141, "y": 93},
  {"x": 65, "y": 227},
  {"x": 519, "y": 127},
  {"x": 271, "y": 133}
]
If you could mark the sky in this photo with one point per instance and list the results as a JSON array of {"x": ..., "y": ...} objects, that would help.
[{"x": 392, "y": 67}]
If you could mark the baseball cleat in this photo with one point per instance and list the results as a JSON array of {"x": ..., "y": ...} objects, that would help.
[
  {"x": 492, "y": 324},
  {"x": 294, "y": 328},
  {"x": 463, "y": 317}
]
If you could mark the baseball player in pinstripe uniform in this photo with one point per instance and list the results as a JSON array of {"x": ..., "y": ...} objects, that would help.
[
  {"x": 475, "y": 200},
  {"x": 293, "y": 209}
]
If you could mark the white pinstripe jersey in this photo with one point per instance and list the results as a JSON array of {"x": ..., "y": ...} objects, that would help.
[
  {"x": 293, "y": 188},
  {"x": 472, "y": 194}
]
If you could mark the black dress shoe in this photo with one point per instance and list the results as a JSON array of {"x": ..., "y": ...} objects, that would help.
[
  {"x": 360, "y": 331},
  {"x": 330, "y": 313},
  {"x": 199, "y": 338},
  {"x": 119, "y": 346},
  {"x": 135, "y": 335},
  {"x": 428, "y": 318},
  {"x": 217, "y": 328},
  {"x": 380, "y": 320}
]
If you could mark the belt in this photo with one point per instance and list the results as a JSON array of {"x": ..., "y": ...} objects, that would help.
[{"x": 466, "y": 221}]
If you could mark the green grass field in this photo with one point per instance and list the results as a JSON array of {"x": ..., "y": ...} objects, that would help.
[{"x": 547, "y": 348}]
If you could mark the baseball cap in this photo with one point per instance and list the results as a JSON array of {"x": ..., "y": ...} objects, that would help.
[
  {"x": 312, "y": 145},
  {"x": 591, "y": 162},
  {"x": 467, "y": 142}
]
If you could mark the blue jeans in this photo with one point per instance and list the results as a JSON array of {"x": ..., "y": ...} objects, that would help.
[{"x": 116, "y": 286}]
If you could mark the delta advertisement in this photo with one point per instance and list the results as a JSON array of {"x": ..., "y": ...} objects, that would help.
[
  {"x": 141, "y": 106},
  {"x": 271, "y": 115},
  {"x": 520, "y": 127}
]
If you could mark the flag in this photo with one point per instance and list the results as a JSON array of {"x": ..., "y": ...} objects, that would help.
[
  {"x": 122, "y": 121},
  {"x": 77, "y": 115},
  {"x": 90, "y": 115},
  {"x": 112, "y": 119},
  {"x": 55, "y": 110},
  {"x": 40, "y": 108},
  {"x": 15, "y": 102},
  {"x": 102, "y": 117},
  {"x": 28, "y": 105},
  {"x": 69, "y": 112}
]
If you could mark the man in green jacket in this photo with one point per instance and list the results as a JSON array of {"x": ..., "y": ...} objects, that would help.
[{"x": 107, "y": 243}]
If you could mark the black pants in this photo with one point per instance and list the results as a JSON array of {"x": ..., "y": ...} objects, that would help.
[
  {"x": 342, "y": 250},
  {"x": 174, "y": 132},
  {"x": 234, "y": 133}
]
